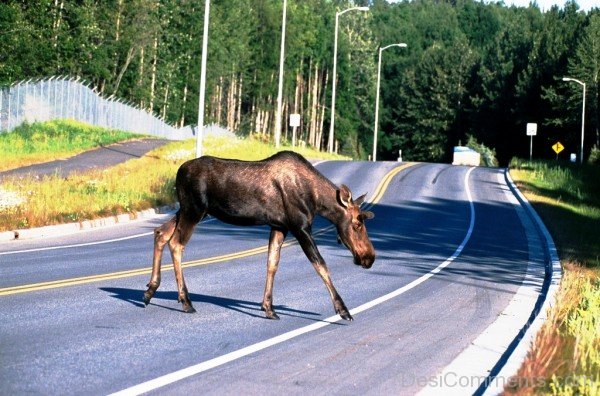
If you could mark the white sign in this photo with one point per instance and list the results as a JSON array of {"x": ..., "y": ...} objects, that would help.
[
  {"x": 531, "y": 129},
  {"x": 294, "y": 120}
]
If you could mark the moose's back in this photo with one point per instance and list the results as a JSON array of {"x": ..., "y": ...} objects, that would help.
[{"x": 272, "y": 191}]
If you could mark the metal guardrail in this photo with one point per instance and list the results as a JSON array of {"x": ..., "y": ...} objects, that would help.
[{"x": 69, "y": 98}]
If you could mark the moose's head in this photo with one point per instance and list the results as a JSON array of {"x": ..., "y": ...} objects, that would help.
[{"x": 351, "y": 229}]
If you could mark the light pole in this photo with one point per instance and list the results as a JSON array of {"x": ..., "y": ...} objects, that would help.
[
  {"x": 401, "y": 45},
  {"x": 200, "y": 135},
  {"x": 335, "y": 40},
  {"x": 582, "y": 114},
  {"x": 280, "y": 90}
]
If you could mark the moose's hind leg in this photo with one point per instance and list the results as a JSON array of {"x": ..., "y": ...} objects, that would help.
[
  {"x": 275, "y": 242},
  {"x": 162, "y": 235},
  {"x": 181, "y": 236}
]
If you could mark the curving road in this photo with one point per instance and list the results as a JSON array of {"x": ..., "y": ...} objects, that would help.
[{"x": 452, "y": 251}]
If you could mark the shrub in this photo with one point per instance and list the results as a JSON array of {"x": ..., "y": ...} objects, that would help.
[
  {"x": 594, "y": 156},
  {"x": 488, "y": 155}
]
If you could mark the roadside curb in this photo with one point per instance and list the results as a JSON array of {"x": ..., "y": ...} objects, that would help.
[{"x": 71, "y": 228}]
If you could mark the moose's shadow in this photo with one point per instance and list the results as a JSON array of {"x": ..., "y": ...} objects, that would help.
[{"x": 250, "y": 308}]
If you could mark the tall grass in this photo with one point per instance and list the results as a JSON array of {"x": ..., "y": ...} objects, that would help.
[
  {"x": 134, "y": 185},
  {"x": 567, "y": 196},
  {"x": 565, "y": 357},
  {"x": 40, "y": 142}
]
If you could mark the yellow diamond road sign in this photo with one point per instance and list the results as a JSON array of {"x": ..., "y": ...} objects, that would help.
[{"x": 558, "y": 147}]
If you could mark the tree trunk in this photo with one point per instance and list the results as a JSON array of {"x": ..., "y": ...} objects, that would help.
[
  {"x": 231, "y": 105},
  {"x": 238, "y": 119},
  {"x": 128, "y": 60},
  {"x": 165, "y": 102},
  {"x": 220, "y": 101},
  {"x": 296, "y": 98},
  {"x": 300, "y": 111},
  {"x": 57, "y": 20},
  {"x": 183, "y": 105},
  {"x": 153, "y": 77},
  {"x": 322, "y": 116}
]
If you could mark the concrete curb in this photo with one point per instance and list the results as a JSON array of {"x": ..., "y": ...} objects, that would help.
[{"x": 71, "y": 228}]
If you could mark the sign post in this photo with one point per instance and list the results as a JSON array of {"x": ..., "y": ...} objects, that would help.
[
  {"x": 294, "y": 123},
  {"x": 531, "y": 132}
]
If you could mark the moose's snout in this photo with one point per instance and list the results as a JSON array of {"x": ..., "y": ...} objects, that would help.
[{"x": 365, "y": 261}]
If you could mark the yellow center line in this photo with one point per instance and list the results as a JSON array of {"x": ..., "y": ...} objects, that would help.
[{"x": 377, "y": 195}]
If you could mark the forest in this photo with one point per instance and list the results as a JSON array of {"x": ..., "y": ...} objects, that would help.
[{"x": 470, "y": 69}]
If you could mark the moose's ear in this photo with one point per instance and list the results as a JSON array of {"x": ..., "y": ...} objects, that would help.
[
  {"x": 359, "y": 201},
  {"x": 344, "y": 196},
  {"x": 367, "y": 215}
]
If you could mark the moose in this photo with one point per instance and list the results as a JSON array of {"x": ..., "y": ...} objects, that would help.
[{"x": 285, "y": 192}]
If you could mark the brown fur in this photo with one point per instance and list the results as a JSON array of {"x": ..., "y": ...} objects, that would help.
[{"x": 284, "y": 192}]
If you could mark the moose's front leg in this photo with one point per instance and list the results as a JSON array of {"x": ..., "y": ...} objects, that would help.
[
  {"x": 310, "y": 249},
  {"x": 162, "y": 235},
  {"x": 275, "y": 242},
  {"x": 338, "y": 303}
]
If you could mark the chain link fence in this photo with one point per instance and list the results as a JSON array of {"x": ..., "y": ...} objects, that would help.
[{"x": 68, "y": 98}]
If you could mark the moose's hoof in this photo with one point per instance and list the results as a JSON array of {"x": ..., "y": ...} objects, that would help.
[
  {"x": 147, "y": 299},
  {"x": 189, "y": 309},
  {"x": 346, "y": 316},
  {"x": 271, "y": 315}
]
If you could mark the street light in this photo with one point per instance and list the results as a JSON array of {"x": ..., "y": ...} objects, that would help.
[
  {"x": 582, "y": 113},
  {"x": 200, "y": 135},
  {"x": 401, "y": 45},
  {"x": 280, "y": 90},
  {"x": 331, "y": 125}
]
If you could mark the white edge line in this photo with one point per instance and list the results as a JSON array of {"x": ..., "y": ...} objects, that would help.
[
  {"x": 75, "y": 245},
  {"x": 86, "y": 243},
  {"x": 554, "y": 270},
  {"x": 229, "y": 357}
]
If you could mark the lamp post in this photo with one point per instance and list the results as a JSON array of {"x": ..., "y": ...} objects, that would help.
[
  {"x": 582, "y": 114},
  {"x": 280, "y": 89},
  {"x": 401, "y": 45},
  {"x": 200, "y": 135},
  {"x": 332, "y": 123}
]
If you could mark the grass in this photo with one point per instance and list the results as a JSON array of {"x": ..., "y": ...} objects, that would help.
[
  {"x": 40, "y": 142},
  {"x": 567, "y": 196},
  {"x": 565, "y": 356},
  {"x": 134, "y": 185}
]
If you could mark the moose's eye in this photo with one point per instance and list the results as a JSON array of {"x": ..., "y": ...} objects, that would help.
[{"x": 357, "y": 226}]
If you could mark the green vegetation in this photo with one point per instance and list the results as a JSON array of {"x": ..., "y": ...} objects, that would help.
[
  {"x": 134, "y": 185},
  {"x": 594, "y": 156},
  {"x": 471, "y": 67},
  {"x": 565, "y": 358},
  {"x": 40, "y": 142},
  {"x": 488, "y": 155},
  {"x": 568, "y": 197}
]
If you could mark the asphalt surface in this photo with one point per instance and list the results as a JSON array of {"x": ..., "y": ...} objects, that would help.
[
  {"x": 100, "y": 158},
  {"x": 98, "y": 338}
]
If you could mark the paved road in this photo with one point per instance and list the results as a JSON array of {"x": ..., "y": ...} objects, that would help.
[
  {"x": 97, "y": 337},
  {"x": 102, "y": 157}
]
